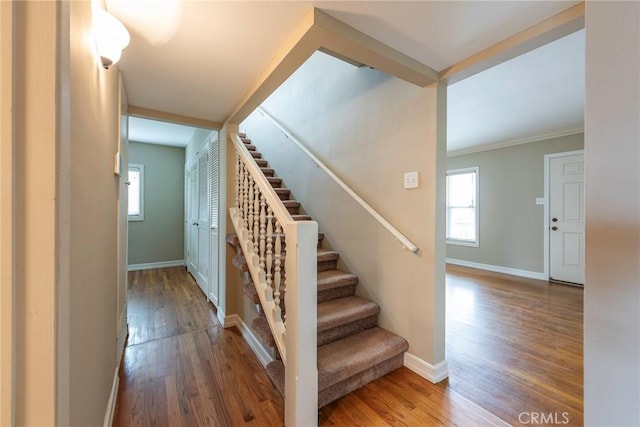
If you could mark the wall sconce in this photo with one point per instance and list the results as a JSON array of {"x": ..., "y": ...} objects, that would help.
[{"x": 111, "y": 37}]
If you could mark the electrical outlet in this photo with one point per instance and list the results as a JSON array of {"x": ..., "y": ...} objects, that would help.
[
  {"x": 411, "y": 180},
  {"x": 540, "y": 201}
]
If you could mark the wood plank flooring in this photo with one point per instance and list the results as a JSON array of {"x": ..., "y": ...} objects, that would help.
[
  {"x": 515, "y": 345},
  {"x": 181, "y": 368}
]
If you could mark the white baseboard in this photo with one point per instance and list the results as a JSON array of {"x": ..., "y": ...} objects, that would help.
[
  {"x": 151, "y": 265},
  {"x": 111, "y": 405},
  {"x": 498, "y": 269},
  {"x": 263, "y": 355},
  {"x": 434, "y": 373},
  {"x": 221, "y": 317}
]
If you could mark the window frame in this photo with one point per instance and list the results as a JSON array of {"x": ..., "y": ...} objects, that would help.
[
  {"x": 140, "y": 168},
  {"x": 463, "y": 242}
]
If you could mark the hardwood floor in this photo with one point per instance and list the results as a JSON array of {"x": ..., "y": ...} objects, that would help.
[
  {"x": 515, "y": 345},
  {"x": 181, "y": 368}
]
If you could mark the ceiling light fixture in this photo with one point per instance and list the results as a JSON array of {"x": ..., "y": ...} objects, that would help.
[{"x": 111, "y": 37}]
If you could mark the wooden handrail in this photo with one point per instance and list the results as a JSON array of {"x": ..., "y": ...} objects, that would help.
[{"x": 367, "y": 207}]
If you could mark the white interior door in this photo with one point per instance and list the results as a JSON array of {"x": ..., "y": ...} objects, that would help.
[
  {"x": 566, "y": 218},
  {"x": 192, "y": 222}
]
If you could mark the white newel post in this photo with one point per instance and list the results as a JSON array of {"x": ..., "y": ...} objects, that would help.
[{"x": 301, "y": 373}]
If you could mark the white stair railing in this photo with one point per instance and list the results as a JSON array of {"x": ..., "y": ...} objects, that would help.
[
  {"x": 366, "y": 206},
  {"x": 281, "y": 255}
]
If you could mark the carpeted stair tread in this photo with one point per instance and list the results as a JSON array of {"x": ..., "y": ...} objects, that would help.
[
  {"x": 274, "y": 181},
  {"x": 327, "y": 255},
  {"x": 240, "y": 262},
  {"x": 267, "y": 171},
  {"x": 249, "y": 290},
  {"x": 255, "y": 154},
  {"x": 283, "y": 193},
  {"x": 293, "y": 206},
  {"x": 299, "y": 217},
  {"x": 342, "y": 359},
  {"x": 250, "y": 147},
  {"x": 233, "y": 240},
  {"x": 334, "y": 279},
  {"x": 275, "y": 371},
  {"x": 332, "y": 314},
  {"x": 344, "y": 387},
  {"x": 261, "y": 163},
  {"x": 260, "y": 326}
]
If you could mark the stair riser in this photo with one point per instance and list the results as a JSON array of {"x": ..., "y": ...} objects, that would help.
[
  {"x": 336, "y": 391},
  {"x": 327, "y": 265},
  {"x": 267, "y": 171},
  {"x": 335, "y": 293},
  {"x": 256, "y": 155},
  {"x": 283, "y": 195},
  {"x": 334, "y": 334}
]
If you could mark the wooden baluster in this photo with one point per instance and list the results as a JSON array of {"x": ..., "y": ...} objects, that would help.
[
  {"x": 263, "y": 231},
  {"x": 245, "y": 198},
  {"x": 277, "y": 269},
  {"x": 269, "y": 257},
  {"x": 256, "y": 218},
  {"x": 238, "y": 166},
  {"x": 250, "y": 211}
]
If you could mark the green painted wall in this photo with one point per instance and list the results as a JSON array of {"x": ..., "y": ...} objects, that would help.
[
  {"x": 511, "y": 224},
  {"x": 160, "y": 237}
]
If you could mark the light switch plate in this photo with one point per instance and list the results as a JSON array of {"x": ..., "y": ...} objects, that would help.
[
  {"x": 411, "y": 180},
  {"x": 540, "y": 201}
]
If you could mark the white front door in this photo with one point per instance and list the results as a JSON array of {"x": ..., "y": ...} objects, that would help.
[{"x": 566, "y": 218}]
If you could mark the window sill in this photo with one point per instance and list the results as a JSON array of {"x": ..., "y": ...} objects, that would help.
[{"x": 463, "y": 243}]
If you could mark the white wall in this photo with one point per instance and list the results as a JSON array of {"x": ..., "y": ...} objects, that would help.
[
  {"x": 612, "y": 156},
  {"x": 369, "y": 128}
]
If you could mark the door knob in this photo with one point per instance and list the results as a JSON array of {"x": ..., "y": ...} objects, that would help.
[
  {"x": 554, "y": 228},
  {"x": 554, "y": 219},
  {"x": 194, "y": 223}
]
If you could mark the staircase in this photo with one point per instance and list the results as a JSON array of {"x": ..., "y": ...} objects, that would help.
[{"x": 352, "y": 349}]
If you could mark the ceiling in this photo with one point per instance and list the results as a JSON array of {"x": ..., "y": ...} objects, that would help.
[
  {"x": 199, "y": 58},
  {"x": 536, "y": 95},
  {"x": 157, "y": 132}
]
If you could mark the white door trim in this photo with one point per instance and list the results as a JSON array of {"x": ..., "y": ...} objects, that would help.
[{"x": 547, "y": 163}]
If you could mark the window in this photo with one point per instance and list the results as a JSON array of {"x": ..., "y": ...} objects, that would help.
[
  {"x": 136, "y": 192},
  {"x": 462, "y": 207}
]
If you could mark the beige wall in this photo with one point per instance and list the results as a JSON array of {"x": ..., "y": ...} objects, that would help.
[
  {"x": 511, "y": 224},
  {"x": 7, "y": 202},
  {"x": 87, "y": 243},
  {"x": 612, "y": 164},
  {"x": 34, "y": 215},
  {"x": 66, "y": 113},
  {"x": 369, "y": 128}
]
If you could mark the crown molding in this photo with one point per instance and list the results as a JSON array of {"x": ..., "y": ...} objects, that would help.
[{"x": 520, "y": 141}]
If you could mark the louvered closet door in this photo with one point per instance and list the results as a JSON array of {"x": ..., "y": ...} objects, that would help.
[
  {"x": 202, "y": 274},
  {"x": 214, "y": 288}
]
